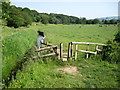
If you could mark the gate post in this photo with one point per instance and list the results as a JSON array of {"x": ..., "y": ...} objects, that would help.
[{"x": 61, "y": 50}]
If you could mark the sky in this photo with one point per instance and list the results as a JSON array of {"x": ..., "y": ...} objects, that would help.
[{"x": 89, "y": 9}]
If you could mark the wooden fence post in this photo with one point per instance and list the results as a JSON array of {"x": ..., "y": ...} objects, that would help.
[
  {"x": 61, "y": 50},
  {"x": 55, "y": 51},
  {"x": 69, "y": 48},
  {"x": 87, "y": 55},
  {"x": 96, "y": 48},
  {"x": 76, "y": 48}
]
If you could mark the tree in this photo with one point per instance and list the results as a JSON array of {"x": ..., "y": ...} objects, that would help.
[
  {"x": 95, "y": 21},
  {"x": 18, "y": 17},
  {"x": 27, "y": 18},
  {"x": 15, "y": 17},
  {"x": 89, "y": 21},
  {"x": 53, "y": 20},
  {"x": 5, "y": 10},
  {"x": 113, "y": 21},
  {"x": 106, "y": 22},
  {"x": 83, "y": 20},
  {"x": 44, "y": 19}
]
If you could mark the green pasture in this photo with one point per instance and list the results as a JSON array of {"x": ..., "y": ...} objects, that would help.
[{"x": 42, "y": 73}]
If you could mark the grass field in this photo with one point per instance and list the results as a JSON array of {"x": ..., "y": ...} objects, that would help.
[{"x": 91, "y": 73}]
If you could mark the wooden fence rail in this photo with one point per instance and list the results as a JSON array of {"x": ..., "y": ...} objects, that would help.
[
  {"x": 73, "y": 52},
  {"x": 54, "y": 49},
  {"x": 45, "y": 48},
  {"x": 87, "y": 43}
]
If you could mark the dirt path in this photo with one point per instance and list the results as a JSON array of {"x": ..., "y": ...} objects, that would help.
[{"x": 69, "y": 69}]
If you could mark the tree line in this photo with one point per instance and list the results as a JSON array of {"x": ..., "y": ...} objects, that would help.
[{"x": 18, "y": 16}]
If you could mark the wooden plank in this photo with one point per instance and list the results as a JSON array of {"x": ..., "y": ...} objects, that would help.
[
  {"x": 87, "y": 55},
  {"x": 51, "y": 54},
  {"x": 98, "y": 50},
  {"x": 65, "y": 53},
  {"x": 64, "y": 59},
  {"x": 86, "y": 51},
  {"x": 76, "y": 48},
  {"x": 58, "y": 51},
  {"x": 45, "y": 48},
  {"x": 35, "y": 57},
  {"x": 89, "y": 43},
  {"x": 69, "y": 49}
]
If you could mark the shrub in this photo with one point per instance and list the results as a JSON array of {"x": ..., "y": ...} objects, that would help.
[
  {"x": 111, "y": 53},
  {"x": 14, "y": 48},
  {"x": 117, "y": 37}
]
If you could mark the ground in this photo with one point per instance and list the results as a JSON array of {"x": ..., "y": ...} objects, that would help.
[{"x": 72, "y": 70}]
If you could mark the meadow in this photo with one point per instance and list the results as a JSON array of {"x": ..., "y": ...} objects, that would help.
[{"x": 44, "y": 73}]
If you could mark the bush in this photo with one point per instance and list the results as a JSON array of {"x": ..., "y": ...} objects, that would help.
[
  {"x": 117, "y": 37},
  {"x": 14, "y": 48},
  {"x": 111, "y": 53}
]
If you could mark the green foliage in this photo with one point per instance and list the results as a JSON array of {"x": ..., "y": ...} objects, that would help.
[
  {"x": 53, "y": 20},
  {"x": 95, "y": 21},
  {"x": 5, "y": 9},
  {"x": 27, "y": 19},
  {"x": 14, "y": 47},
  {"x": 113, "y": 21},
  {"x": 44, "y": 19},
  {"x": 117, "y": 37},
  {"x": 45, "y": 74},
  {"x": 17, "y": 17},
  {"x": 111, "y": 52}
]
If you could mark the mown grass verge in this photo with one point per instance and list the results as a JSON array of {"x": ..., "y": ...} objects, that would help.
[{"x": 14, "y": 48}]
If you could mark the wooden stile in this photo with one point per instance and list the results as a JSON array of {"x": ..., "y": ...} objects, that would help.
[{"x": 72, "y": 50}]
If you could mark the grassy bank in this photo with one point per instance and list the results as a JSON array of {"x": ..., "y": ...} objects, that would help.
[{"x": 14, "y": 48}]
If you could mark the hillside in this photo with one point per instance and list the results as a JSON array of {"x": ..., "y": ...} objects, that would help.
[{"x": 108, "y": 18}]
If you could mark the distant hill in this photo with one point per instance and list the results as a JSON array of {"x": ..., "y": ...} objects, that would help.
[{"x": 107, "y": 18}]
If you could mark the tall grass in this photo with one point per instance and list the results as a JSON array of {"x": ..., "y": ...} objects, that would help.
[{"x": 14, "y": 48}]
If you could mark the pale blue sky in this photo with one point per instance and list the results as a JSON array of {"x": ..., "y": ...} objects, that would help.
[{"x": 89, "y": 10}]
